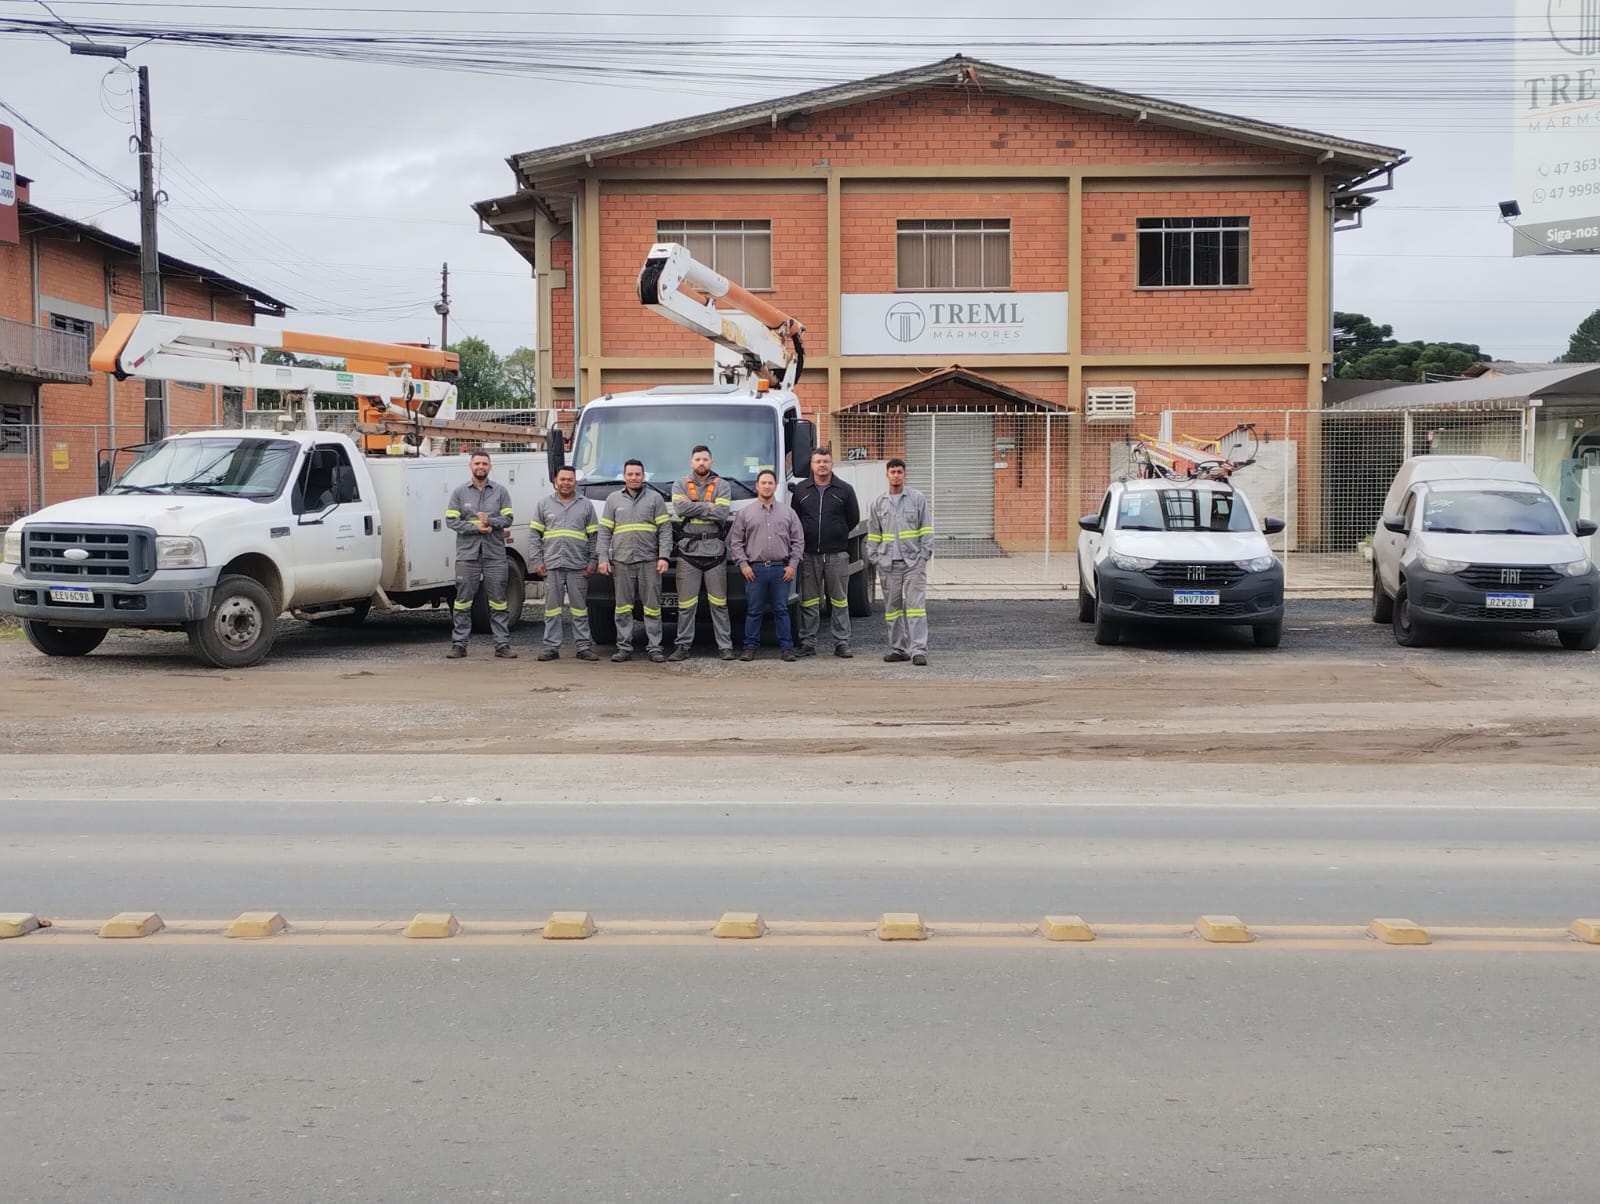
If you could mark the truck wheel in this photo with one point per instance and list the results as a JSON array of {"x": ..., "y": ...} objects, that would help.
[
  {"x": 1106, "y": 630},
  {"x": 858, "y": 589},
  {"x": 1409, "y": 631},
  {"x": 516, "y": 598},
  {"x": 1382, "y": 603},
  {"x": 62, "y": 641},
  {"x": 1085, "y": 603},
  {"x": 1585, "y": 639},
  {"x": 240, "y": 627},
  {"x": 1267, "y": 635},
  {"x": 602, "y": 621},
  {"x": 357, "y": 616}
]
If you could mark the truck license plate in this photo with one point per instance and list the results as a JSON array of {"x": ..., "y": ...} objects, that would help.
[
  {"x": 81, "y": 596},
  {"x": 1508, "y": 601},
  {"x": 1196, "y": 597},
  {"x": 669, "y": 601}
]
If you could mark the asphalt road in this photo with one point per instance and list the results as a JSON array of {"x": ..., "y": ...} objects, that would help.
[
  {"x": 146, "y": 1072},
  {"x": 1326, "y": 857}
]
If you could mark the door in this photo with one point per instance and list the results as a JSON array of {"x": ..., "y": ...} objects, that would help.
[
  {"x": 335, "y": 534},
  {"x": 1390, "y": 546},
  {"x": 950, "y": 457},
  {"x": 1090, "y": 543}
]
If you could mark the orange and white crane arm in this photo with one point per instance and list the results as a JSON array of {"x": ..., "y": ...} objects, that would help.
[
  {"x": 163, "y": 347},
  {"x": 766, "y": 340},
  {"x": 1187, "y": 458}
]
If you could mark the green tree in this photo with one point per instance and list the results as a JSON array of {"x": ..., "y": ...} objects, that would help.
[
  {"x": 1354, "y": 335},
  {"x": 482, "y": 384},
  {"x": 1364, "y": 350},
  {"x": 1584, "y": 348},
  {"x": 272, "y": 399},
  {"x": 521, "y": 378}
]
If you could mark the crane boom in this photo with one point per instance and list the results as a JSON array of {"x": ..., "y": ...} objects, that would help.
[
  {"x": 1186, "y": 457},
  {"x": 766, "y": 340}
]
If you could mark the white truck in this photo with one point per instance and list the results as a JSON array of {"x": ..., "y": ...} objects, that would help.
[
  {"x": 217, "y": 533},
  {"x": 749, "y": 416}
]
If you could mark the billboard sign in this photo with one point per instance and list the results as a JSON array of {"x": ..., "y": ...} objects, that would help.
[
  {"x": 8, "y": 185},
  {"x": 949, "y": 324},
  {"x": 1556, "y": 139}
]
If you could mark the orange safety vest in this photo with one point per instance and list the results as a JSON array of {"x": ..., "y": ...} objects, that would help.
[{"x": 711, "y": 488}]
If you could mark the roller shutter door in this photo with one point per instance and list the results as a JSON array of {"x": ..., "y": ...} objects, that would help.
[{"x": 950, "y": 457}]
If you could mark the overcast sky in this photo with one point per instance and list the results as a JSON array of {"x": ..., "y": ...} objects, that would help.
[{"x": 342, "y": 186}]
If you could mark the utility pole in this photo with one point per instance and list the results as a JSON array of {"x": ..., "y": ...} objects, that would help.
[
  {"x": 442, "y": 306},
  {"x": 155, "y": 392}
]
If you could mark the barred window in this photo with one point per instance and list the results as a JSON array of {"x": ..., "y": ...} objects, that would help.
[
  {"x": 68, "y": 325},
  {"x": 740, "y": 250},
  {"x": 1194, "y": 252},
  {"x": 14, "y": 424},
  {"x": 964, "y": 253}
]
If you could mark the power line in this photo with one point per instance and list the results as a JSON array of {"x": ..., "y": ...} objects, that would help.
[{"x": 72, "y": 155}]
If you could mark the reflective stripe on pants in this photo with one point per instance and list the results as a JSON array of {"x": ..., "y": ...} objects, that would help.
[
  {"x": 638, "y": 582},
  {"x": 566, "y": 591},
  {"x": 905, "y": 605},
  {"x": 689, "y": 579},
  {"x": 825, "y": 575},
  {"x": 490, "y": 572}
]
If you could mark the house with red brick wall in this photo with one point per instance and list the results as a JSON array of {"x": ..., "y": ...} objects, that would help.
[
  {"x": 995, "y": 269},
  {"x": 61, "y": 284}
]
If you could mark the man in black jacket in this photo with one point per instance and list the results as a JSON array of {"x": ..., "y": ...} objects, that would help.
[{"x": 828, "y": 512}]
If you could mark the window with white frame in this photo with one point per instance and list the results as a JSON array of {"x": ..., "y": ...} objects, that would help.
[
  {"x": 1194, "y": 252},
  {"x": 740, "y": 250},
  {"x": 953, "y": 253}
]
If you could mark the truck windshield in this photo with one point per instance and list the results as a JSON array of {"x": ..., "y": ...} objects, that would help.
[
  {"x": 1182, "y": 510},
  {"x": 228, "y": 466},
  {"x": 743, "y": 441},
  {"x": 1492, "y": 512}
]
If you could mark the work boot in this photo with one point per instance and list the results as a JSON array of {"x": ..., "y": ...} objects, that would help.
[
  {"x": 725, "y": 654},
  {"x": 457, "y": 651},
  {"x": 505, "y": 654},
  {"x": 842, "y": 651},
  {"x": 657, "y": 656},
  {"x": 587, "y": 654},
  {"x": 893, "y": 657},
  {"x": 806, "y": 650},
  {"x": 919, "y": 659},
  {"x": 679, "y": 654},
  {"x": 749, "y": 654},
  {"x": 550, "y": 654},
  {"x": 620, "y": 656},
  {"x": 786, "y": 655}
]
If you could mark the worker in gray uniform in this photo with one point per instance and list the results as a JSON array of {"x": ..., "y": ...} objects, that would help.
[
  {"x": 900, "y": 544},
  {"x": 702, "y": 512},
  {"x": 479, "y": 512},
  {"x": 561, "y": 546},
  {"x": 635, "y": 541}
]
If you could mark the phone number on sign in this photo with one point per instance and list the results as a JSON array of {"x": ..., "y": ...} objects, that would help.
[{"x": 1573, "y": 190}]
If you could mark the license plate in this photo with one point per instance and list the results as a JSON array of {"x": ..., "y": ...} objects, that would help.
[
  {"x": 1508, "y": 601},
  {"x": 82, "y": 596},
  {"x": 669, "y": 600},
  {"x": 1196, "y": 597}
]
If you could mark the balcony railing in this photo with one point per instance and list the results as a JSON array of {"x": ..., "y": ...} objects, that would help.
[{"x": 39, "y": 353}]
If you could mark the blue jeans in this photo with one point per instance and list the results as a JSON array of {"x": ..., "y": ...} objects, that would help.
[{"x": 769, "y": 589}]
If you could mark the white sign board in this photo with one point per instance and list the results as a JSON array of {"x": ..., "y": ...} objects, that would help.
[
  {"x": 953, "y": 324},
  {"x": 1557, "y": 131}
]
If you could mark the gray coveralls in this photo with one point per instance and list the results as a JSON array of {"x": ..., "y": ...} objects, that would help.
[
  {"x": 634, "y": 534},
  {"x": 900, "y": 544},
  {"x": 480, "y": 557},
  {"x": 562, "y": 537},
  {"x": 704, "y": 512}
]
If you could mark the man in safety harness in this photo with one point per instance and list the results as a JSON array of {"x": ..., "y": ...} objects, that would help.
[{"x": 702, "y": 510}]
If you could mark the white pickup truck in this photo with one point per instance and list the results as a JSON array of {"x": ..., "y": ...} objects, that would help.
[{"x": 218, "y": 533}]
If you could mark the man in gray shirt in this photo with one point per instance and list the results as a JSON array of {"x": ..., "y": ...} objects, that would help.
[
  {"x": 479, "y": 512},
  {"x": 766, "y": 542}
]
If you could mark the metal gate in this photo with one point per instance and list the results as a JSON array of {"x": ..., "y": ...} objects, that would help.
[{"x": 950, "y": 457}]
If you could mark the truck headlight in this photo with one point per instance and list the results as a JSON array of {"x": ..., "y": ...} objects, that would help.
[
  {"x": 1573, "y": 568},
  {"x": 13, "y": 545},
  {"x": 1132, "y": 564},
  {"x": 179, "y": 552},
  {"x": 1257, "y": 564},
  {"x": 1437, "y": 564}
]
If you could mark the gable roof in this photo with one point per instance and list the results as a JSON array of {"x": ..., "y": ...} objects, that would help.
[
  {"x": 1342, "y": 154},
  {"x": 955, "y": 374}
]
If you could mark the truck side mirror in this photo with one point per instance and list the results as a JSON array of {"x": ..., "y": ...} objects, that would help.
[
  {"x": 1089, "y": 522},
  {"x": 802, "y": 442},
  {"x": 555, "y": 451},
  {"x": 1272, "y": 526},
  {"x": 1586, "y": 527},
  {"x": 1395, "y": 523}
]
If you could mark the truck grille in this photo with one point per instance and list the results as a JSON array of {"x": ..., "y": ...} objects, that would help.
[
  {"x": 1208, "y": 576},
  {"x": 1539, "y": 614},
  {"x": 1522, "y": 576},
  {"x": 89, "y": 553}
]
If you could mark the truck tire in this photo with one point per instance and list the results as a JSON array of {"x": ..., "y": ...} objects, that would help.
[
  {"x": 1584, "y": 639},
  {"x": 62, "y": 641},
  {"x": 1409, "y": 631},
  {"x": 239, "y": 629},
  {"x": 1085, "y": 603},
  {"x": 1382, "y": 603},
  {"x": 602, "y": 621},
  {"x": 1267, "y": 635},
  {"x": 1106, "y": 630},
  {"x": 357, "y": 616},
  {"x": 859, "y": 592},
  {"x": 516, "y": 599}
]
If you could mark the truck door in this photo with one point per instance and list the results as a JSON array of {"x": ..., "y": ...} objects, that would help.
[{"x": 337, "y": 556}]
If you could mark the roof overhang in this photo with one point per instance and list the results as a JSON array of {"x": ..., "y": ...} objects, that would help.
[{"x": 908, "y": 395}]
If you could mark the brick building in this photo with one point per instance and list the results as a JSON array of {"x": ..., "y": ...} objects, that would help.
[
  {"x": 60, "y": 285},
  {"x": 1000, "y": 272}
]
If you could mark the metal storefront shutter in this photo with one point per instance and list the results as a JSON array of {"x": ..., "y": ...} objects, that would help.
[{"x": 950, "y": 457}]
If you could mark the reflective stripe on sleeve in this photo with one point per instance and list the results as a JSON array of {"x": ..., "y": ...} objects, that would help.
[{"x": 452, "y": 514}]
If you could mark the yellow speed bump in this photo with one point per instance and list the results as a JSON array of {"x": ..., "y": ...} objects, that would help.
[
  {"x": 255, "y": 925},
  {"x": 901, "y": 926},
  {"x": 740, "y": 926},
  {"x": 128, "y": 925},
  {"x": 1587, "y": 931},
  {"x": 570, "y": 926},
  {"x": 1399, "y": 932},
  {"x": 1223, "y": 930},
  {"x": 432, "y": 926},
  {"x": 17, "y": 923},
  {"x": 1065, "y": 928}
]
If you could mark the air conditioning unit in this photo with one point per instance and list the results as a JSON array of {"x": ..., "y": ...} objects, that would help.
[{"x": 1108, "y": 405}]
